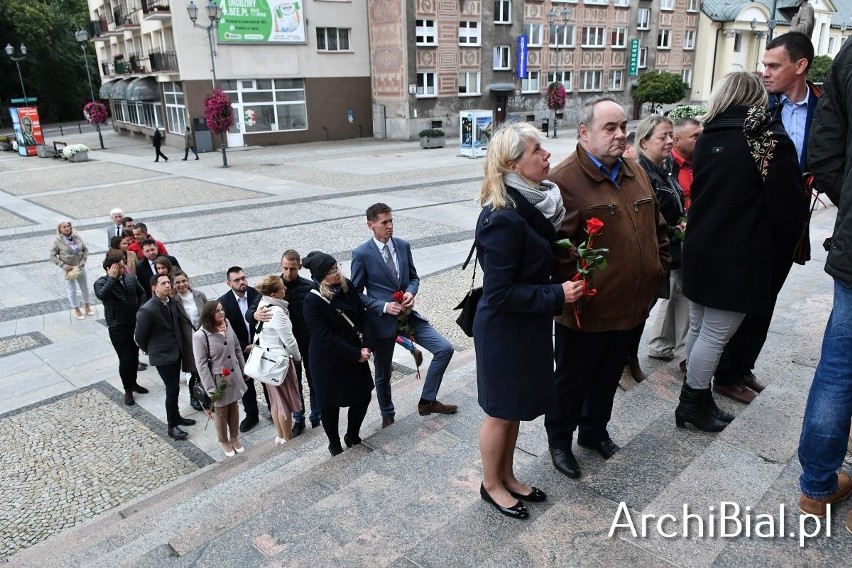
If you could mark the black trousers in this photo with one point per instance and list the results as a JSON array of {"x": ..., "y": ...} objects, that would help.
[
  {"x": 250, "y": 399},
  {"x": 186, "y": 153},
  {"x": 171, "y": 378},
  {"x": 331, "y": 418},
  {"x": 305, "y": 367},
  {"x": 158, "y": 154},
  {"x": 588, "y": 366},
  {"x": 741, "y": 352},
  {"x": 128, "y": 355}
]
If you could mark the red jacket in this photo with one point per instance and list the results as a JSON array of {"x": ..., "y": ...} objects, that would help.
[{"x": 137, "y": 248}]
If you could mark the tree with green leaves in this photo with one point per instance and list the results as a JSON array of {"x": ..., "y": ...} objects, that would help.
[
  {"x": 819, "y": 68},
  {"x": 657, "y": 87},
  {"x": 53, "y": 70}
]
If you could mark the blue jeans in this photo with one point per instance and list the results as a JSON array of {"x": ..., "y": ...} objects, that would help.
[
  {"x": 433, "y": 342},
  {"x": 825, "y": 429}
]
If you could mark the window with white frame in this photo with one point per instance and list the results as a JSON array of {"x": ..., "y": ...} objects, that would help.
[
  {"x": 564, "y": 77},
  {"x": 425, "y": 32},
  {"x": 667, "y": 4},
  {"x": 618, "y": 37},
  {"x": 664, "y": 39},
  {"x": 643, "y": 19},
  {"x": 175, "y": 106},
  {"x": 616, "y": 80},
  {"x": 590, "y": 80},
  {"x": 686, "y": 77},
  {"x": 502, "y": 57},
  {"x": 426, "y": 84},
  {"x": 596, "y": 2},
  {"x": 533, "y": 33},
  {"x": 594, "y": 36},
  {"x": 532, "y": 82},
  {"x": 643, "y": 57},
  {"x": 563, "y": 36},
  {"x": 831, "y": 44},
  {"x": 468, "y": 83},
  {"x": 469, "y": 32},
  {"x": 692, "y": 5},
  {"x": 621, "y": 3},
  {"x": 268, "y": 105},
  {"x": 502, "y": 11},
  {"x": 689, "y": 39},
  {"x": 333, "y": 39}
]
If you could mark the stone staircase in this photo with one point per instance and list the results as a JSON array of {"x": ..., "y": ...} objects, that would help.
[{"x": 408, "y": 496}]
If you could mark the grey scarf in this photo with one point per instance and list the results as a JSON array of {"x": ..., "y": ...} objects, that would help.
[{"x": 546, "y": 197}]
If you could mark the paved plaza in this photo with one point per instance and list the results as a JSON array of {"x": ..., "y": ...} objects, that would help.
[{"x": 91, "y": 482}]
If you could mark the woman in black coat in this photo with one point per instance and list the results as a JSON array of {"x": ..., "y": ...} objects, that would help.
[
  {"x": 341, "y": 345},
  {"x": 744, "y": 221},
  {"x": 513, "y": 327}
]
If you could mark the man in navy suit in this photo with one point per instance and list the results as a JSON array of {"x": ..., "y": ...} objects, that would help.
[
  {"x": 792, "y": 100},
  {"x": 236, "y": 303},
  {"x": 145, "y": 268},
  {"x": 381, "y": 267}
]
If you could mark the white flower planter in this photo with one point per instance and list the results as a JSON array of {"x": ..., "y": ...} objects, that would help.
[{"x": 432, "y": 141}]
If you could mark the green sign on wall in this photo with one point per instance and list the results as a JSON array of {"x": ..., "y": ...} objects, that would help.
[
  {"x": 633, "y": 67},
  {"x": 262, "y": 21}
]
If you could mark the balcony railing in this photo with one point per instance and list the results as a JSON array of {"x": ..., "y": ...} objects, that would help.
[
  {"x": 155, "y": 6},
  {"x": 162, "y": 60}
]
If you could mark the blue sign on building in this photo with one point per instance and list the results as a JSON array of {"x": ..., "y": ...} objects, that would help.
[{"x": 522, "y": 56}]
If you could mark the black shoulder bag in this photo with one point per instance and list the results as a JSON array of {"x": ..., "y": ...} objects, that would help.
[
  {"x": 471, "y": 299},
  {"x": 198, "y": 390}
]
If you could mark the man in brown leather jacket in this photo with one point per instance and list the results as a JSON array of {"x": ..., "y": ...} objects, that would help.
[{"x": 595, "y": 182}]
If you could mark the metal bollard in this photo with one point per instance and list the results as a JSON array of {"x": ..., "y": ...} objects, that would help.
[
  {"x": 60, "y": 130},
  {"x": 79, "y": 129}
]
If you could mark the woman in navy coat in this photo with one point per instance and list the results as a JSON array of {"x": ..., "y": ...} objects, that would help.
[
  {"x": 513, "y": 326},
  {"x": 341, "y": 345}
]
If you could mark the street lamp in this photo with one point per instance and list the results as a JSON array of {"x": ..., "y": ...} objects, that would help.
[
  {"x": 10, "y": 51},
  {"x": 214, "y": 13},
  {"x": 772, "y": 21},
  {"x": 82, "y": 37},
  {"x": 552, "y": 24}
]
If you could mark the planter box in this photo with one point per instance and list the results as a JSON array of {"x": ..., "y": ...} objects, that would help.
[
  {"x": 5, "y": 146},
  {"x": 44, "y": 151},
  {"x": 79, "y": 157},
  {"x": 432, "y": 142}
]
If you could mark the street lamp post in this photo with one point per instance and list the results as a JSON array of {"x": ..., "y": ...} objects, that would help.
[
  {"x": 214, "y": 13},
  {"x": 552, "y": 24},
  {"x": 10, "y": 51},
  {"x": 82, "y": 37},
  {"x": 772, "y": 22}
]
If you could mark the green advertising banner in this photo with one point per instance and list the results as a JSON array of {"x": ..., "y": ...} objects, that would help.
[
  {"x": 633, "y": 65},
  {"x": 262, "y": 21}
]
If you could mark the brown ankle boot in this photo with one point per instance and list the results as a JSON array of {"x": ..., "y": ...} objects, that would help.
[{"x": 635, "y": 369}]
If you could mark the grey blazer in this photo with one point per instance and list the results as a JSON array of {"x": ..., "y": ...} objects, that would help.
[
  {"x": 225, "y": 352},
  {"x": 110, "y": 231},
  {"x": 158, "y": 332}
]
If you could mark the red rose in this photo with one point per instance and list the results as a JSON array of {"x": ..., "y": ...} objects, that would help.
[
  {"x": 594, "y": 226},
  {"x": 225, "y": 372},
  {"x": 398, "y": 297}
]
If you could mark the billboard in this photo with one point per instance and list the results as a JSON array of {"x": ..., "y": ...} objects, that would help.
[
  {"x": 522, "y": 57},
  {"x": 261, "y": 21},
  {"x": 27, "y": 127},
  {"x": 476, "y": 128}
]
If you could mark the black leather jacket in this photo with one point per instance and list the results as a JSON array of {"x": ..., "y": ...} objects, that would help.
[
  {"x": 670, "y": 197},
  {"x": 122, "y": 297}
]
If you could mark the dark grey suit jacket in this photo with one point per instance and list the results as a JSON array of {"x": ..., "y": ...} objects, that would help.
[{"x": 158, "y": 332}]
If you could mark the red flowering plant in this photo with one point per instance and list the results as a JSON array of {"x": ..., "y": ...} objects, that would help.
[
  {"x": 219, "y": 116},
  {"x": 588, "y": 259},
  {"x": 95, "y": 112},
  {"x": 556, "y": 96},
  {"x": 403, "y": 326}
]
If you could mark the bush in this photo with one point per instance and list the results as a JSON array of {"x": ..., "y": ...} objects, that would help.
[
  {"x": 687, "y": 111},
  {"x": 431, "y": 133}
]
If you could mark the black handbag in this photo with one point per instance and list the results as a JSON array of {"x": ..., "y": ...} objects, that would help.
[
  {"x": 198, "y": 390},
  {"x": 470, "y": 301}
]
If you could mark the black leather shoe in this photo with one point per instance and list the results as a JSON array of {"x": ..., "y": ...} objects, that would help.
[
  {"x": 193, "y": 402},
  {"x": 315, "y": 423},
  {"x": 335, "y": 449},
  {"x": 516, "y": 511},
  {"x": 351, "y": 440},
  {"x": 175, "y": 433},
  {"x": 248, "y": 423},
  {"x": 140, "y": 366},
  {"x": 128, "y": 399},
  {"x": 535, "y": 496},
  {"x": 186, "y": 421},
  {"x": 140, "y": 389},
  {"x": 565, "y": 462},
  {"x": 298, "y": 428},
  {"x": 606, "y": 448}
]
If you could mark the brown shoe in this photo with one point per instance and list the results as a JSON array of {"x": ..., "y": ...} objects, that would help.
[
  {"x": 386, "y": 422},
  {"x": 635, "y": 369},
  {"x": 436, "y": 407},
  {"x": 751, "y": 382},
  {"x": 816, "y": 507},
  {"x": 626, "y": 382},
  {"x": 128, "y": 398},
  {"x": 737, "y": 391},
  {"x": 682, "y": 366}
]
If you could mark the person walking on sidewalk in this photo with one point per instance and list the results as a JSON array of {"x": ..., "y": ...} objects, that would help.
[
  {"x": 122, "y": 295},
  {"x": 69, "y": 253},
  {"x": 382, "y": 270},
  {"x": 825, "y": 427},
  {"x": 158, "y": 142},
  {"x": 189, "y": 144},
  {"x": 159, "y": 333}
]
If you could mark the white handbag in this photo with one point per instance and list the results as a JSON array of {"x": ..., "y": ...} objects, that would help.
[{"x": 265, "y": 366}]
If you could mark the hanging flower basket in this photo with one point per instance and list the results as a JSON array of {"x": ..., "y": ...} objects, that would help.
[
  {"x": 95, "y": 112},
  {"x": 556, "y": 96}
]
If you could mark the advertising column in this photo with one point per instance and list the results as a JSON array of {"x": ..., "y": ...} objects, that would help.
[
  {"x": 27, "y": 127},
  {"x": 476, "y": 129}
]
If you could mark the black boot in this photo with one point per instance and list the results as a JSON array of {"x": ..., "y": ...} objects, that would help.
[
  {"x": 718, "y": 412},
  {"x": 695, "y": 409}
]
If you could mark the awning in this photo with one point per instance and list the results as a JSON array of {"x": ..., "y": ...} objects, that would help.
[
  {"x": 502, "y": 88},
  {"x": 106, "y": 89},
  {"x": 119, "y": 91},
  {"x": 142, "y": 89}
]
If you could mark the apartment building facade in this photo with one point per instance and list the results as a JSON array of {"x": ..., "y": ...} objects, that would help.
[
  {"x": 295, "y": 70},
  {"x": 432, "y": 59}
]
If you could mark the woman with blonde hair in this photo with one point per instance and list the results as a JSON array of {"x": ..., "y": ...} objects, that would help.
[
  {"x": 276, "y": 337},
  {"x": 512, "y": 330},
  {"x": 746, "y": 215},
  {"x": 69, "y": 253}
]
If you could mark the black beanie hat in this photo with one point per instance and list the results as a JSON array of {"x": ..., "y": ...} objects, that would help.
[{"x": 319, "y": 264}]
